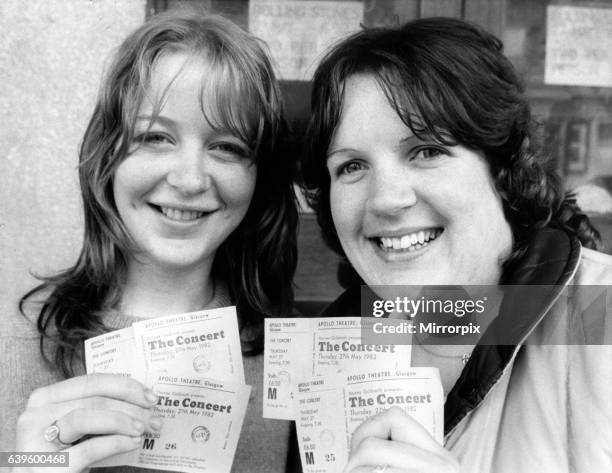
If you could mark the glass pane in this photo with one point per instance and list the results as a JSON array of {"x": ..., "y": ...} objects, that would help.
[{"x": 577, "y": 118}]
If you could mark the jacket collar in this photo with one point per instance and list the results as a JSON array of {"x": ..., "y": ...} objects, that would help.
[{"x": 551, "y": 260}]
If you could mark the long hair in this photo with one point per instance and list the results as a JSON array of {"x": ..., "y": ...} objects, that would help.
[
  {"x": 258, "y": 259},
  {"x": 449, "y": 80}
]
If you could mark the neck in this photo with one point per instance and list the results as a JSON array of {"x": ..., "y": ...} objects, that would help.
[{"x": 151, "y": 291}]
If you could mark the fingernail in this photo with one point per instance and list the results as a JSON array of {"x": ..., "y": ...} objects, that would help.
[
  {"x": 138, "y": 426},
  {"x": 137, "y": 440},
  {"x": 155, "y": 423},
  {"x": 151, "y": 396}
]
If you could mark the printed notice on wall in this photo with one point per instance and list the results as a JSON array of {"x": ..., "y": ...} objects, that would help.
[
  {"x": 299, "y": 32},
  {"x": 579, "y": 46}
]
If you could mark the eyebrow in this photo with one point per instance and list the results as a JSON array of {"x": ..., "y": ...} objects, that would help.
[
  {"x": 411, "y": 139},
  {"x": 340, "y": 150},
  {"x": 408, "y": 140},
  {"x": 162, "y": 119}
]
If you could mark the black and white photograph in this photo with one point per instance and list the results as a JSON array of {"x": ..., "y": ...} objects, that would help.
[{"x": 306, "y": 236}]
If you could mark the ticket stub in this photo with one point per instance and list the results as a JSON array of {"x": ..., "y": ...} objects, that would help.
[
  {"x": 202, "y": 420},
  {"x": 300, "y": 348},
  {"x": 329, "y": 409},
  {"x": 115, "y": 352},
  {"x": 287, "y": 343},
  {"x": 321, "y": 425},
  {"x": 201, "y": 344}
]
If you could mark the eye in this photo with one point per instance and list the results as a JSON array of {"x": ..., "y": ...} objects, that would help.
[
  {"x": 350, "y": 167},
  {"x": 428, "y": 154},
  {"x": 154, "y": 138},
  {"x": 228, "y": 149},
  {"x": 347, "y": 171}
]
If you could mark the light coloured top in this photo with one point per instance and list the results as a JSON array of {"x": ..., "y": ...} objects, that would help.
[{"x": 551, "y": 410}]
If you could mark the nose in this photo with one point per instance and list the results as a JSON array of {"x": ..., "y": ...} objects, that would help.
[
  {"x": 190, "y": 173},
  {"x": 392, "y": 190}
]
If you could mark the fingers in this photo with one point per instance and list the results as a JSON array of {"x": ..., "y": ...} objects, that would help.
[
  {"x": 102, "y": 406},
  {"x": 375, "y": 451},
  {"x": 95, "y": 449},
  {"x": 376, "y": 469},
  {"x": 108, "y": 413},
  {"x": 399, "y": 457},
  {"x": 107, "y": 385},
  {"x": 98, "y": 403},
  {"x": 394, "y": 424},
  {"x": 80, "y": 422},
  {"x": 94, "y": 416},
  {"x": 390, "y": 469},
  {"x": 395, "y": 440}
]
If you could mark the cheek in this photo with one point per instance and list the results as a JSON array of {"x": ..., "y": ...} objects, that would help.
[
  {"x": 483, "y": 210},
  {"x": 335, "y": 205},
  {"x": 346, "y": 209},
  {"x": 121, "y": 186},
  {"x": 469, "y": 192},
  {"x": 487, "y": 201},
  {"x": 237, "y": 188},
  {"x": 131, "y": 179}
]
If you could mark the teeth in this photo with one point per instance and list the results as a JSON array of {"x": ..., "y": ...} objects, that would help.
[
  {"x": 412, "y": 242},
  {"x": 181, "y": 215}
]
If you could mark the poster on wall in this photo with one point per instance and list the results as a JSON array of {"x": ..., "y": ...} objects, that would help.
[
  {"x": 578, "y": 46},
  {"x": 299, "y": 32}
]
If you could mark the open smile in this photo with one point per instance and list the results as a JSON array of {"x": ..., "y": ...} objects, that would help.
[
  {"x": 180, "y": 215},
  {"x": 409, "y": 242}
]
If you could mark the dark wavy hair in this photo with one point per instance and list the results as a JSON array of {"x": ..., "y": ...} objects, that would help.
[
  {"x": 447, "y": 79},
  {"x": 257, "y": 260}
]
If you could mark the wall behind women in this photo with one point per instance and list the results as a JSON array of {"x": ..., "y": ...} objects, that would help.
[{"x": 52, "y": 54}]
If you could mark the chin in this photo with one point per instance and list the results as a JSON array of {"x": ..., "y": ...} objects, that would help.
[
  {"x": 387, "y": 276},
  {"x": 176, "y": 261}
]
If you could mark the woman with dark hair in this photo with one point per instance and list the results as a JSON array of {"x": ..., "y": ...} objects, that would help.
[
  {"x": 423, "y": 169},
  {"x": 188, "y": 205}
]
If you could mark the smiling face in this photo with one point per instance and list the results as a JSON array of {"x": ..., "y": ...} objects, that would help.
[
  {"x": 185, "y": 186},
  {"x": 411, "y": 211}
]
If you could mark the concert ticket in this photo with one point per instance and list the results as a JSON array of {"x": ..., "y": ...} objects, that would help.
[
  {"x": 204, "y": 343},
  {"x": 182, "y": 357},
  {"x": 202, "y": 420},
  {"x": 329, "y": 409},
  {"x": 297, "y": 348}
]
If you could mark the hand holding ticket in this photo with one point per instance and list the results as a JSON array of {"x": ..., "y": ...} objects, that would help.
[
  {"x": 110, "y": 411},
  {"x": 193, "y": 362},
  {"x": 334, "y": 413},
  {"x": 202, "y": 423},
  {"x": 394, "y": 439}
]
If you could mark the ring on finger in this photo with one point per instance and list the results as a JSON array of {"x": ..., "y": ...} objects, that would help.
[
  {"x": 52, "y": 434},
  {"x": 380, "y": 468}
]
